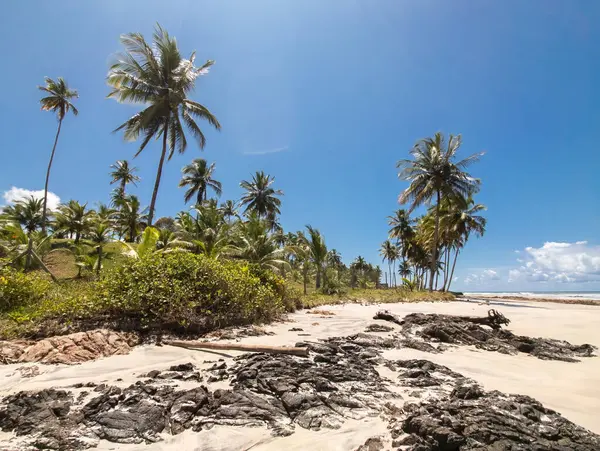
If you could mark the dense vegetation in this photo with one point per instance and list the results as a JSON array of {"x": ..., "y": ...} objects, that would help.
[{"x": 215, "y": 263}]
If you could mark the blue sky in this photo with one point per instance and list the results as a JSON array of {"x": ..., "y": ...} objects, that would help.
[{"x": 327, "y": 96}]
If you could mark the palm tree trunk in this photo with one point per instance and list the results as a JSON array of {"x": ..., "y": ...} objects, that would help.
[
  {"x": 318, "y": 281},
  {"x": 99, "y": 260},
  {"x": 453, "y": 265},
  {"x": 435, "y": 241},
  {"x": 29, "y": 251},
  {"x": 48, "y": 177},
  {"x": 159, "y": 172},
  {"x": 446, "y": 267},
  {"x": 394, "y": 273},
  {"x": 305, "y": 277},
  {"x": 123, "y": 184},
  {"x": 390, "y": 271}
]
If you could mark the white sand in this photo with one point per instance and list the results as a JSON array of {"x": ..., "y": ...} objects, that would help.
[{"x": 573, "y": 389}]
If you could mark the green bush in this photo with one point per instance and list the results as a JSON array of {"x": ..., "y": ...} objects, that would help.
[
  {"x": 19, "y": 289},
  {"x": 190, "y": 291}
]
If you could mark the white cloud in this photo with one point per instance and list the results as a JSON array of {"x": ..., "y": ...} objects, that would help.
[
  {"x": 559, "y": 262},
  {"x": 481, "y": 276},
  {"x": 265, "y": 152},
  {"x": 15, "y": 194}
]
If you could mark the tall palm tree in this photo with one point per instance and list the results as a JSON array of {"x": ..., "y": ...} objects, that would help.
[
  {"x": 433, "y": 173},
  {"x": 159, "y": 77},
  {"x": 401, "y": 229},
  {"x": 463, "y": 221},
  {"x": 198, "y": 176},
  {"x": 58, "y": 101},
  {"x": 318, "y": 252},
  {"x": 260, "y": 197},
  {"x": 389, "y": 252},
  {"x": 123, "y": 174}
]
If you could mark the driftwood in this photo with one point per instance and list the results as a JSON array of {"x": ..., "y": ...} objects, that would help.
[
  {"x": 495, "y": 319},
  {"x": 302, "y": 352}
]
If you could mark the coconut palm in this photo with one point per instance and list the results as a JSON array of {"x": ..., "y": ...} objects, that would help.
[
  {"x": 256, "y": 245},
  {"x": 160, "y": 78},
  {"x": 229, "y": 209},
  {"x": 198, "y": 177},
  {"x": 318, "y": 252},
  {"x": 131, "y": 218},
  {"x": 73, "y": 218},
  {"x": 401, "y": 229},
  {"x": 434, "y": 174},
  {"x": 99, "y": 234},
  {"x": 463, "y": 221},
  {"x": 58, "y": 101},
  {"x": 122, "y": 173},
  {"x": 389, "y": 252},
  {"x": 28, "y": 213},
  {"x": 260, "y": 197},
  {"x": 334, "y": 259}
]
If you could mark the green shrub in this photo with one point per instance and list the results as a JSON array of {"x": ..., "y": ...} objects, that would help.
[
  {"x": 19, "y": 289},
  {"x": 191, "y": 291}
]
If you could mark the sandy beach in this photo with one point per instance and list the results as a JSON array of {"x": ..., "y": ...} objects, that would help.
[{"x": 572, "y": 389}]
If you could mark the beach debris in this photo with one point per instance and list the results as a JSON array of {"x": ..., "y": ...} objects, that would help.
[
  {"x": 69, "y": 349},
  {"x": 302, "y": 352},
  {"x": 495, "y": 319},
  {"x": 320, "y": 312},
  {"x": 233, "y": 333}
]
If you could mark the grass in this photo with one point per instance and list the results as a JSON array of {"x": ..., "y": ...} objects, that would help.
[
  {"x": 374, "y": 296},
  {"x": 61, "y": 261}
]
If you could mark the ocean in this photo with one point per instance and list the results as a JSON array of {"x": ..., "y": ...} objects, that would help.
[{"x": 593, "y": 295}]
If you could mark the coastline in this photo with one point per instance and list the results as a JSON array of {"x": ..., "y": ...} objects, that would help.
[{"x": 572, "y": 301}]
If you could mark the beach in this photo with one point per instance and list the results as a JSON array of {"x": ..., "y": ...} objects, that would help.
[{"x": 572, "y": 389}]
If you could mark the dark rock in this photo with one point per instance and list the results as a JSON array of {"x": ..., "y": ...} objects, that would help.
[
  {"x": 378, "y": 328},
  {"x": 182, "y": 367},
  {"x": 296, "y": 329},
  {"x": 459, "y": 331}
]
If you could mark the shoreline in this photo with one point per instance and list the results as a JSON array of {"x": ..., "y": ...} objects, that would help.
[{"x": 594, "y": 302}]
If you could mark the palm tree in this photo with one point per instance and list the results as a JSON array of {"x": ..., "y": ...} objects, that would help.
[
  {"x": 260, "y": 197},
  {"x": 401, "y": 229},
  {"x": 198, "y": 176},
  {"x": 404, "y": 270},
  {"x": 58, "y": 101},
  {"x": 28, "y": 213},
  {"x": 388, "y": 252},
  {"x": 256, "y": 245},
  {"x": 334, "y": 259},
  {"x": 159, "y": 77},
  {"x": 131, "y": 217},
  {"x": 433, "y": 174},
  {"x": 73, "y": 218},
  {"x": 229, "y": 209},
  {"x": 123, "y": 174},
  {"x": 99, "y": 235},
  {"x": 318, "y": 252},
  {"x": 464, "y": 221}
]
